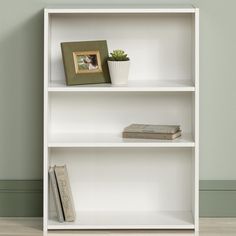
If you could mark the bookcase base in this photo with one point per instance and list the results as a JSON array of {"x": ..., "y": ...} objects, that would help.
[{"x": 127, "y": 220}]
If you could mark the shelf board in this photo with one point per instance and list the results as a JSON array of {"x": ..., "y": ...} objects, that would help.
[
  {"x": 127, "y": 220},
  {"x": 114, "y": 8},
  {"x": 133, "y": 86},
  {"x": 114, "y": 140}
]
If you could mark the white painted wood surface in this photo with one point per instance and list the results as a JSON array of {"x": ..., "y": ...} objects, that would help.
[
  {"x": 128, "y": 179},
  {"x": 113, "y": 140},
  {"x": 196, "y": 123},
  {"x": 97, "y": 113},
  {"x": 134, "y": 8},
  {"x": 159, "y": 45},
  {"x": 119, "y": 183},
  {"x": 133, "y": 86},
  {"x": 45, "y": 121},
  {"x": 128, "y": 220}
]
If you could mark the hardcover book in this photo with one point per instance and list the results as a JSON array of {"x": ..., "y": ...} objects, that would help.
[
  {"x": 146, "y": 128},
  {"x": 146, "y": 131},
  {"x": 65, "y": 193},
  {"x": 56, "y": 195},
  {"x": 151, "y": 135}
]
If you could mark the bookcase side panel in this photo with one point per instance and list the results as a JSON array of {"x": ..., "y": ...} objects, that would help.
[
  {"x": 195, "y": 120},
  {"x": 196, "y": 117},
  {"x": 45, "y": 116}
]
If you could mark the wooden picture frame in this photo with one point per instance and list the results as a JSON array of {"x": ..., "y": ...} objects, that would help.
[{"x": 85, "y": 62}]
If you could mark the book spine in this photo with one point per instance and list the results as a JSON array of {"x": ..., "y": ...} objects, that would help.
[
  {"x": 56, "y": 196},
  {"x": 65, "y": 193},
  {"x": 152, "y": 129},
  {"x": 150, "y": 135}
]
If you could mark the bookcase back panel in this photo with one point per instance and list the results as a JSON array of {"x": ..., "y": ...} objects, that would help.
[
  {"x": 128, "y": 179},
  {"x": 159, "y": 45},
  {"x": 111, "y": 112}
]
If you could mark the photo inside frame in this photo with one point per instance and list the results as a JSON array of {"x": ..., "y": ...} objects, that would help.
[{"x": 87, "y": 62}]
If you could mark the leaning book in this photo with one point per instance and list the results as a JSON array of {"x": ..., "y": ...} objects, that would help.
[
  {"x": 56, "y": 195},
  {"x": 65, "y": 193}
]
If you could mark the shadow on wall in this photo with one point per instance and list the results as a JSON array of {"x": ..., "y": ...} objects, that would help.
[{"x": 21, "y": 97}]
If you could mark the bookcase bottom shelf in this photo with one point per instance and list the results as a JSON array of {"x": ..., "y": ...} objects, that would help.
[{"x": 127, "y": 220}]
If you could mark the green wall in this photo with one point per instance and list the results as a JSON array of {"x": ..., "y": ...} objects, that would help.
[{"x": 21, "y": 86}]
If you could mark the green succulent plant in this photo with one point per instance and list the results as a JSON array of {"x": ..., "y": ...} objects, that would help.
[{"x": 118, "y": 55}]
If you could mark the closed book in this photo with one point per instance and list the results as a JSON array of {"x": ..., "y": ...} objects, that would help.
[
  {"x": 56, "y": 195},
  {"x": 152, "y": 135},
  {"x": 147, "y": 128},
  {"x": 65, "y": 192}
]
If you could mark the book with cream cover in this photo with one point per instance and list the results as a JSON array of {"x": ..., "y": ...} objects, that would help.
[
  {"x": 152, "y": 135},
  {"x": 146, "y": 131},
  {"x": 56, "y": 195},
  {"x": 65, "y": 193}
]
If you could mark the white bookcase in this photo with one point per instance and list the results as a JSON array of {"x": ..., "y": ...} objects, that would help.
[{"x": 116, "y": 183}]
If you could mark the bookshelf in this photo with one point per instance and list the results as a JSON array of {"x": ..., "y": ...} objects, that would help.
[
  {"x": 133, "y": 86},
  {"x": 117, "y": 183}
]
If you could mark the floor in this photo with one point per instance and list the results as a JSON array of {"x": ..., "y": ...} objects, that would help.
[{"x": 33, "y": 227}]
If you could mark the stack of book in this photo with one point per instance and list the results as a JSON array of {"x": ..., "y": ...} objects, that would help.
[
  {"x": 62, "y": 194},
  {"x": 146, "y": 131}
]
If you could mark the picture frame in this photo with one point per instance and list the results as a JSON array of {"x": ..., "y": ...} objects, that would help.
[{"x": 85, "y": 62}]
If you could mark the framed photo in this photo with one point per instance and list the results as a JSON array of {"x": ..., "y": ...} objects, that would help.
[{"x": 85, "y": 62}]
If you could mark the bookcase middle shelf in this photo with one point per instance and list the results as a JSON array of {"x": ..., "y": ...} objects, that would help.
[{"x": 113, "y": 140}]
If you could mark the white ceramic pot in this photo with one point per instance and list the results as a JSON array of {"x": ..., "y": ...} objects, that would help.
[{"x": 119, "y": 72}]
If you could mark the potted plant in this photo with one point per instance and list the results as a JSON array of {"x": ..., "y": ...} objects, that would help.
[{"x": 119, "y": 64}]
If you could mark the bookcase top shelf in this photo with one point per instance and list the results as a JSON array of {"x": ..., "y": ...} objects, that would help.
[
  {"x": 134, "y": 85},
  {"x": 134, "y": 8}
]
